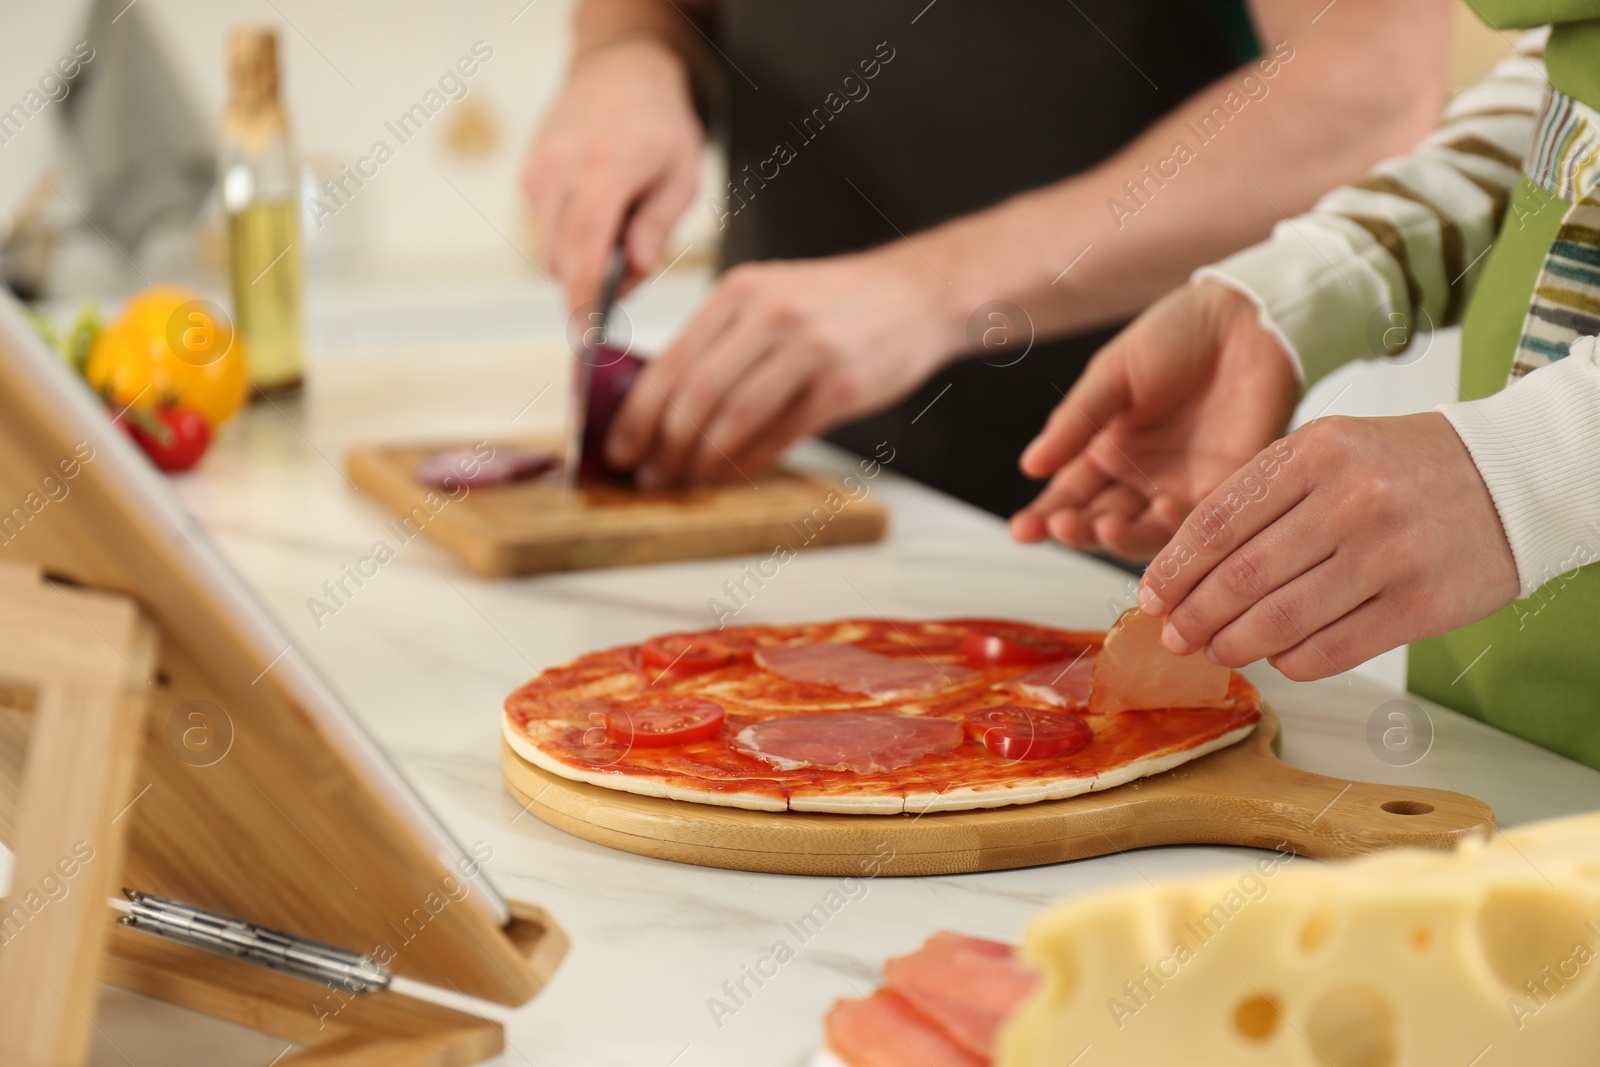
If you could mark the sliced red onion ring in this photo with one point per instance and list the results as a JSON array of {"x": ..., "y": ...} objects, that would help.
[{"x": 467, "y": 466}]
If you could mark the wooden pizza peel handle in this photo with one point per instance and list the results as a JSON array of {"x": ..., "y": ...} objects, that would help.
[{"x": 1247, "y": 797}]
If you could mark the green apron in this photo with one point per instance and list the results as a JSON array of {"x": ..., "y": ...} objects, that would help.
[
  {"x": 1532, "y": 669},
  {"x": 1540, "y": 675}
]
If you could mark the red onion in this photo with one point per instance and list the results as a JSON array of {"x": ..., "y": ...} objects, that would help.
[
  {"x": 613, "y": 375},
  {"x": 469, "y": 467}
]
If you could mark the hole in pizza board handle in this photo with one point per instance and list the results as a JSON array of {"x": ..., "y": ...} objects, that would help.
[{"x": 1407, "y": 807}]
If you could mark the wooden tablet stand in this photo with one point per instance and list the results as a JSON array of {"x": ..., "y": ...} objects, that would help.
[
  {"x": 74, "y": 707},
  {"x": 160, "y": 733}
]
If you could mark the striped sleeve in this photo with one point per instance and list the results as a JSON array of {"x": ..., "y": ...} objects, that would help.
[{"x": 1401, "y": 249}]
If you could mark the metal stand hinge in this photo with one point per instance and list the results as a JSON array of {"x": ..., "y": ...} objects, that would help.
[{"x": 273, "y": 949}]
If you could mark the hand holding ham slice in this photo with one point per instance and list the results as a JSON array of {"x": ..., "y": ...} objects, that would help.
[{"x": 1135, "y": 672}]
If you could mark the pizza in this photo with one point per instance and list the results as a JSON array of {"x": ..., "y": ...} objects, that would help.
[{"x": 879, "y": 716}]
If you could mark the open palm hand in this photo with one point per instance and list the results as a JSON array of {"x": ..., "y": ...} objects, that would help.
[{"x": 1176, "y": 403}]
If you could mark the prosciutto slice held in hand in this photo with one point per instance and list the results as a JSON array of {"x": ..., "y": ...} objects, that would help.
[{"x": 1135, "y": 671}]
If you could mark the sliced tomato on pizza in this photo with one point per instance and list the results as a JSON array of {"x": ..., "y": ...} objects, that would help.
[
  {"x": 1012, "y": 643},
  {"x": 688, "y": 653}
]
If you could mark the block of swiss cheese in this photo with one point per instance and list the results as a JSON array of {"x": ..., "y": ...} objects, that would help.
[{"x": 1486, "y": 956}]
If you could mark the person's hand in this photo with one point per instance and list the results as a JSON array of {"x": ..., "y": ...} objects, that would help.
[
  {"x": 780, "y": 350},
  {"x": 1345, "y": 539},
  {"x": 621, "y": 137},
  {"x": 1171, "y": 406}
]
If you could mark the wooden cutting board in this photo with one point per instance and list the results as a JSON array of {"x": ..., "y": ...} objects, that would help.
[
  {"x": 1242, "y": 795},
  {"x": 536, "y": 526}
]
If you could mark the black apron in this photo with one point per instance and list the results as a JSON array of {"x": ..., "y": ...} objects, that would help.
[{"x": 981, "y": 99}]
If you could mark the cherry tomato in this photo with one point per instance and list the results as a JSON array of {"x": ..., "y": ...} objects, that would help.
[
  {"x": 1011, "y": 731},
  {"x": 670, "y": 722},
  {"x": 685, "y": 652},
  {"x": 1010, "y": 644},
  {"x": 173, "y": 437}
]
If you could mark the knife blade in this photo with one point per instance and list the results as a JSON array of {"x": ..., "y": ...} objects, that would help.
[{"x": 583, "y": 369}]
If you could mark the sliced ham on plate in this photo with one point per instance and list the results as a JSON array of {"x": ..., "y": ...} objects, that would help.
[
  {"x": 1066, "y": 684},
  {"x": 943, "y": 1006},
  {"x": 852, "y": 741},
  {"x": 886, "y": 1031},
  {"x": 971, "y": 986},
  {"x": 856, "y": 670},
  {"x": 1134, "y": 671}
]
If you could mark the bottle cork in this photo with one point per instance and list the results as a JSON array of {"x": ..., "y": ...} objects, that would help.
[{"x": 253, "y": 112}]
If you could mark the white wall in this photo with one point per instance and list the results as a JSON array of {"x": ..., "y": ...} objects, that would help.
[{"x": 348, "y": 68}]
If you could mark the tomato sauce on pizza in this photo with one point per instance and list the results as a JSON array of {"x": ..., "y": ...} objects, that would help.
[{"x": 868, "y": 716}]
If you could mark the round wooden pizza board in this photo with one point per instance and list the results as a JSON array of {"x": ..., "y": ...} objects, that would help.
[{"x": 1241, "y": 795}]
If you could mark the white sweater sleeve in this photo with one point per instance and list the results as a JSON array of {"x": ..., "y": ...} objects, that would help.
[{"x": 1537, "y": 445}]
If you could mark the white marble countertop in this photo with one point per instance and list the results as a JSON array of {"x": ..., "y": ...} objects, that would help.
[{"x": 424, "y": 654}]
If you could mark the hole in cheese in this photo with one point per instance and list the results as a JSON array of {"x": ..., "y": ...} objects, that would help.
[
  {"x": 1531, "y": 935},
  {"x": 1407, "y": 807},
  {"x": 1256, "y": 1018},
  {"x": 1195, "y": 920},
  {"x": 1421, "y": 937},
  {"x": 1353, "y": 1026},
  {"x": 1317, "y": 930}
]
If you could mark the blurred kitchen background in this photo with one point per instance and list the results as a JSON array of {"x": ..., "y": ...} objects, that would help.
[
  {"x": 435, "y": 245},
  {"x": 109, "y": 187}
]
